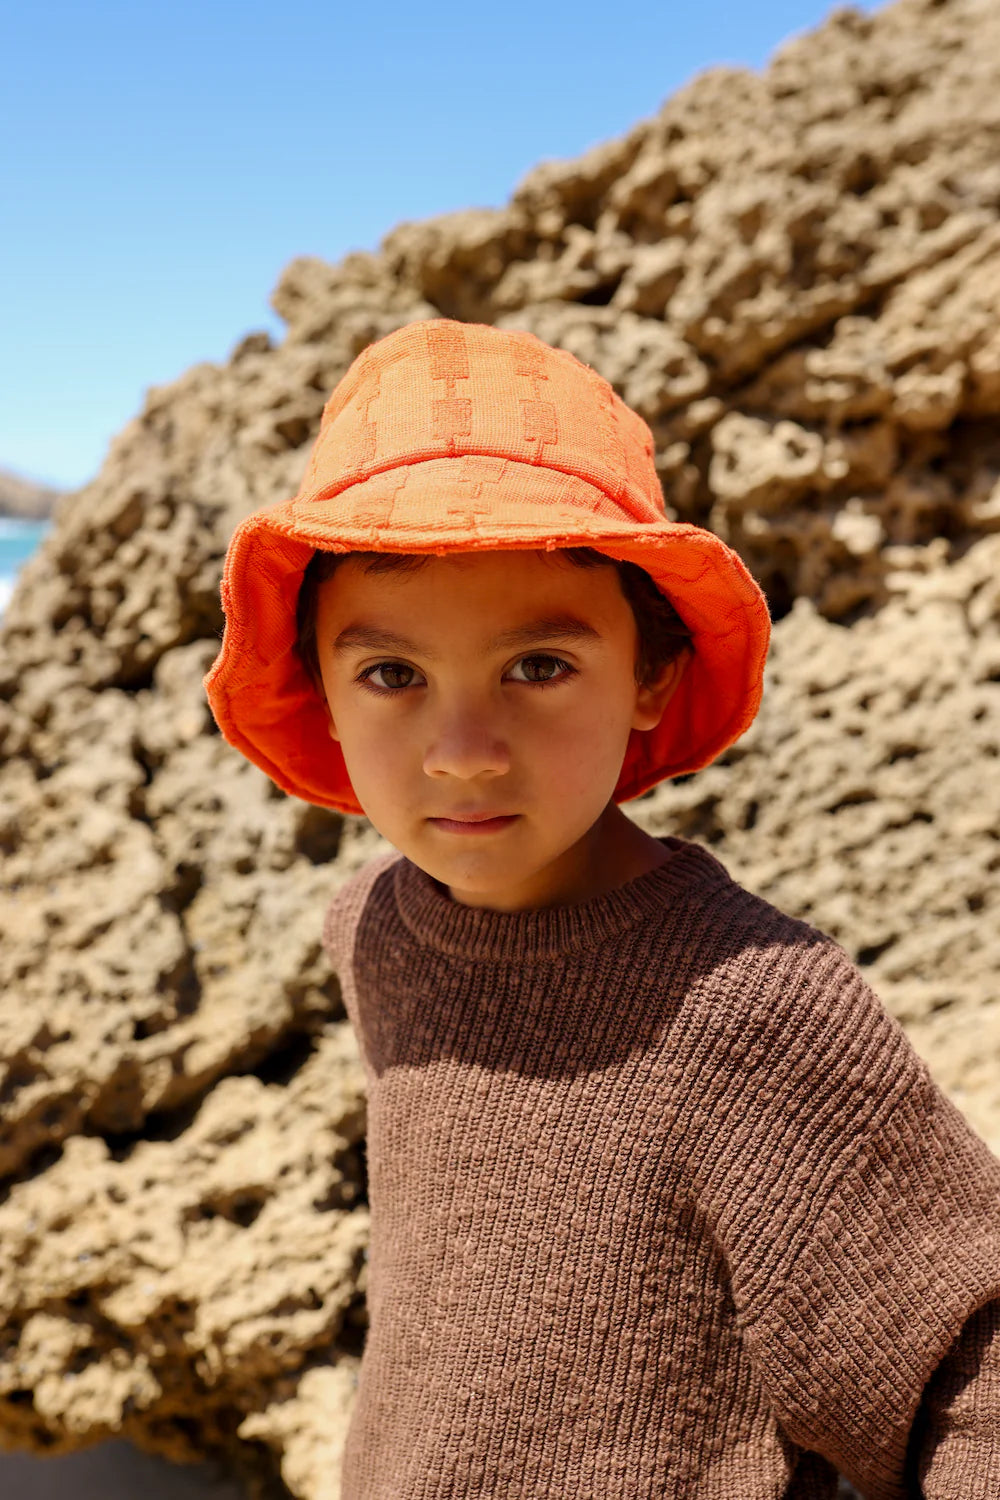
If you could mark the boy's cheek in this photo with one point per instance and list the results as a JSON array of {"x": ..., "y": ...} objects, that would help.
[{"x": 383, "y": 781}]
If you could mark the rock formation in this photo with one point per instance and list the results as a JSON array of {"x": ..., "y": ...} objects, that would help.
[
  {"x": 25, "y": 498},
  {"x": 794, "y": 277}
]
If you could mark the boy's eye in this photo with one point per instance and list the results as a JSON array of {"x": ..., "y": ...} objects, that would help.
[
  {"x": 390, "y": 675},
  {"x": 540, "y": 668}
]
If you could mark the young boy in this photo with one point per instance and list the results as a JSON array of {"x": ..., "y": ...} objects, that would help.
[{"x": 663, "y": 1201}]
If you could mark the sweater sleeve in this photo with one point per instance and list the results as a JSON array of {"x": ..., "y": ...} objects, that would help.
[
  {"x": 859, "y": 1216},
  {"x": 956, "y": 1437}
]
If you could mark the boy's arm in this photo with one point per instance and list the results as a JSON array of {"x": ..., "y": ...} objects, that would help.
[
  {"x": 956, "y": 1436},
  {"x": 857, "y": 1211}
]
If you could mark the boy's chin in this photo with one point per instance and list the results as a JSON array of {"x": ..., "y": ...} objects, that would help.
[
  {"x": 482, "y": 875},
  {"x": 518, "y": 866},
  {"x": 503, "y": 880},
  {"x": 475, "y": 875}
]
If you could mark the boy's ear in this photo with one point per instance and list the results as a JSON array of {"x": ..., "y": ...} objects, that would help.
[
  {"x": 330, "y": 725},
  {"x": 652, "y": 697}
]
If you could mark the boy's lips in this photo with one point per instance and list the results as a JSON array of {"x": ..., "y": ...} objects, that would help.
[{"x": 477, "y": 822}]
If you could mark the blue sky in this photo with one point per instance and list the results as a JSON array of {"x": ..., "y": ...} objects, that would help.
[{"x": 166, "y": 158}]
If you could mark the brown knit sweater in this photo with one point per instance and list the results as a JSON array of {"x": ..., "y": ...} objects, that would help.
[{"x": 664, "y": 1204}]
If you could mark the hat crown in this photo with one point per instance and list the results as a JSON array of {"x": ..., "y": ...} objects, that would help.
[{"x": 441, "y": 389}]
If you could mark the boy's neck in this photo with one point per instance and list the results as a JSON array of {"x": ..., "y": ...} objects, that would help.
[{"x": 612, "y": 852}]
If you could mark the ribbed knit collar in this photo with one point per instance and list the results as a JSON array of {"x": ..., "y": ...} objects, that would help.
[{"x": 475, "y": 932}]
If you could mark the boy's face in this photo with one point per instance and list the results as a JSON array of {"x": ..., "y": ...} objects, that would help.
[{"x": 483, "y": 703}]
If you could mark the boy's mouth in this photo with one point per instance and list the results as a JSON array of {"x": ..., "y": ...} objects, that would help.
[{"x": 475, "y": 822}]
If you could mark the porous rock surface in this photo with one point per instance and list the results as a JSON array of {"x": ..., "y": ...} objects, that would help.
[{"x": 794, "y": 277}]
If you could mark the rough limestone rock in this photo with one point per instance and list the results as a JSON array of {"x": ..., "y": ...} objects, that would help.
[{"x": 794, "y": 277}]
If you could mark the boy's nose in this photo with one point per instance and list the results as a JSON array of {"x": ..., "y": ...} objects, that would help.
[{"x": 467, "y": 747}]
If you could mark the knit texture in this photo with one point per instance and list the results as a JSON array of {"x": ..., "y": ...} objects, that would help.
[{"x": 663, "y": 1203}]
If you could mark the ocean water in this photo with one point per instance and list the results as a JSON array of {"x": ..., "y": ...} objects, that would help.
[{"x": 18, "y": 540}]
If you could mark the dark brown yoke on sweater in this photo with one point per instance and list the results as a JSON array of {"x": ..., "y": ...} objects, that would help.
[{"x": 664, "y": 1204}]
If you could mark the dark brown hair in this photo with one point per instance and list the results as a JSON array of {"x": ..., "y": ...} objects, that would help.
[{"x": 662, "y": 633}]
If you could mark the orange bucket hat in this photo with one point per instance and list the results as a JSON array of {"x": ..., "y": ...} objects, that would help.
[{"x": 455, "y": 437}]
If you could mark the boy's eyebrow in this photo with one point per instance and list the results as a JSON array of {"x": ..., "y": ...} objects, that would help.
[
  {"x": 547, "y": 628},
  {"x": 371, "y": 639}
]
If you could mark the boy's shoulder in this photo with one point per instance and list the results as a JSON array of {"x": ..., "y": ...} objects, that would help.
[
  {"x": 765, "y": 984},
  {"x": 348, "y": 903},
  {"x": 739, "y": 930}
]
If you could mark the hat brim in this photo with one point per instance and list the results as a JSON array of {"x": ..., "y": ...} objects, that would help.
[{"x": 267, "y": 706}]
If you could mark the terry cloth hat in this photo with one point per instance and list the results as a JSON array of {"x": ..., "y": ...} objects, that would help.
[{"x": 454, "y": 437}]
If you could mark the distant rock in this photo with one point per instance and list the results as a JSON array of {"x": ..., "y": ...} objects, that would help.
[
  {"x": 794, "y": 277},
  {"x": 26, "y": 499}
]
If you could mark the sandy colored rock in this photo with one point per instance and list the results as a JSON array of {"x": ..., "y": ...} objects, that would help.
[
  {"x": 794, "y": 277},
  {"x": 218, "y": 1253}
]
